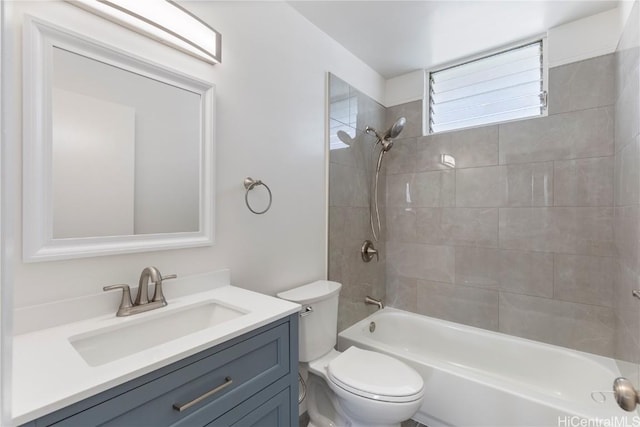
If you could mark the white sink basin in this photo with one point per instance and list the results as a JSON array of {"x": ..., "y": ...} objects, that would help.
[{"x": 115, "y": 342}]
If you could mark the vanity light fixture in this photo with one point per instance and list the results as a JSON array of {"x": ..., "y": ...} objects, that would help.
[{"x": 162, "y": 20}]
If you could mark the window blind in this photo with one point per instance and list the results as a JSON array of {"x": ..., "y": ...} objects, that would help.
[{"x": 505, "y": 86}]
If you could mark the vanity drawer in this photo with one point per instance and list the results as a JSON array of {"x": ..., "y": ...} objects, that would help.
[
  {"x": 266, "y": 409},
  {"x": 237, "y": 372}
]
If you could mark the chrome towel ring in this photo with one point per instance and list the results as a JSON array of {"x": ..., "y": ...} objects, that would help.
[{"x": 250, "y": 184}]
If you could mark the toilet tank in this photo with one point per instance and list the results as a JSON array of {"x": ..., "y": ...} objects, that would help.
[{"x": 318, "y": 318}]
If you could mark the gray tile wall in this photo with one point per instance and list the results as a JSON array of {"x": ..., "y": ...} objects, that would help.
[
  {"x": 626, "y": 266},
  {"x": 350, "y": 172},
  {"x": 519, "y": 237}
]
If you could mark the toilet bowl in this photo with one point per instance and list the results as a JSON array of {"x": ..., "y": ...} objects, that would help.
[
  {"x": 372, "y": 389},
  {"x": 354, "y": 388}
]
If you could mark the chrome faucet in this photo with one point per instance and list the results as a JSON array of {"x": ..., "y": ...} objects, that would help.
[
  {"x": 373, "y": 301},
  {"x": 142, "y": 303}
]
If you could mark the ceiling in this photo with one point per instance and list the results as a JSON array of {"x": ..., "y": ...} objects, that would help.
[{"x": 396, "y": 37}]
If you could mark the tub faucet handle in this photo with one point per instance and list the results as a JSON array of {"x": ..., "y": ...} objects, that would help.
[
  {"x": 368, "y": 251},
  {"x": 626, "y": 394}
]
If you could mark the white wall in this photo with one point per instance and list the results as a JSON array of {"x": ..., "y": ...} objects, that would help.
[
  {"x": 575, "y": 41},
  {"x": 270, "y": 125},
  {"x": 585, "y": 38},
  {"x": 405, "y": 88}
]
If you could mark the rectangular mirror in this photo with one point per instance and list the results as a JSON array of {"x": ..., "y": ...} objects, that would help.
[{"x": 118, "y": 152}]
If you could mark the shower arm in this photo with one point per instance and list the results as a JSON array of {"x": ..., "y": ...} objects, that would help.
[{"x": 372, "y": 131}]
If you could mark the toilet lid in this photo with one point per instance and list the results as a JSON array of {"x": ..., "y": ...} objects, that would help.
[{"x": 375, "y": 376}]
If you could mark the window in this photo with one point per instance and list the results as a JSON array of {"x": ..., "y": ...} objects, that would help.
[{"x": 505, "y": 86}]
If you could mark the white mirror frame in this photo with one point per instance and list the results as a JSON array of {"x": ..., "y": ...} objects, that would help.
[{"x": 39, "y": 39}]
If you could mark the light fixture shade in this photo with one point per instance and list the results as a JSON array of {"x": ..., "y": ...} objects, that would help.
[{"x": 162, "y": 20}]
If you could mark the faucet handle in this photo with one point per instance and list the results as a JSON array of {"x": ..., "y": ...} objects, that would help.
[
  {"x": 126, "y": 302},
  {"x": 157, "y": 294},
  {"x": 368, "y": 251}
]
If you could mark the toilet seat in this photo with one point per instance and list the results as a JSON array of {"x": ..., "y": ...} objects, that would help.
[{"x": 375, "y": 376}]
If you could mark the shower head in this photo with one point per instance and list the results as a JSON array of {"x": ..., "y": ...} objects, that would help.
[
  {"x": 386, "y": 140},
  {"x": 395, "y": 130},
  {"x": 392, "y": 133}
]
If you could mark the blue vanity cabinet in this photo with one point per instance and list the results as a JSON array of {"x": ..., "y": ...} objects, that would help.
[{"x": 251, "y": 380}]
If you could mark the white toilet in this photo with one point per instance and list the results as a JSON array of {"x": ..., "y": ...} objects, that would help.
[{"x": 357, "y": 387}]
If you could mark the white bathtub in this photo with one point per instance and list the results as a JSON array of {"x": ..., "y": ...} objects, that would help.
[{"x": 475, "y": 377}]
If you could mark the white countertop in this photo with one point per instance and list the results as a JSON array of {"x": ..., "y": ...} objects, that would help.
[{"x": 49, "y": 374}]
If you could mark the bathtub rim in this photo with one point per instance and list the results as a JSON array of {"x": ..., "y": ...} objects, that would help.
[{"x": 354, "y": 335}]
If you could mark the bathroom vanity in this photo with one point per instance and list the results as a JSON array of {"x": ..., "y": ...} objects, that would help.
[
  {"x": 251, "y": 380},
  {"x": 238, "y": 366}
]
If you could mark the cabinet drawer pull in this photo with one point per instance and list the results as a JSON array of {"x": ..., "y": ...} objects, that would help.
[{"x": 227, "y": 382}]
